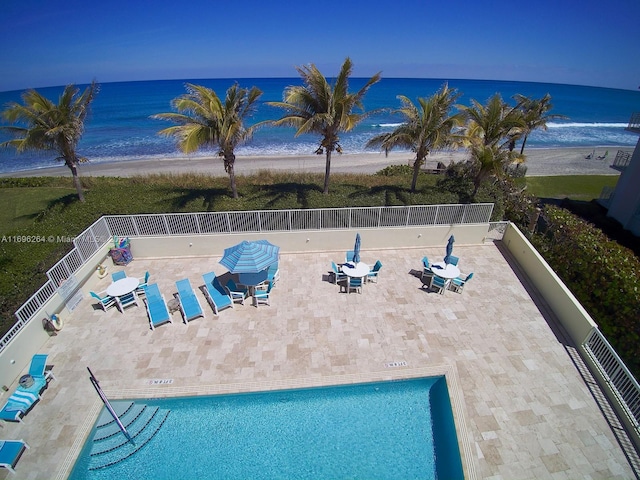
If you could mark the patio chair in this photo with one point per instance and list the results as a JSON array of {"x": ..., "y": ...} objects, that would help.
[
  {"x": 189, "y": 303},
  {"x": 10, "y": 453},
  {"x": 355, "y": 284},
  {"x": 115, "y": 276},
  {"x": 457, "y": 284},
  {"x": 349, "y": 256},
  {"x": 17, "y": 405},
  {"x": 105, "y": 301},
  {"x": 38, "y": 369},
  {"x": 438, "y": 283},
  {"x": 127, "y": 300},
  {"x": 143, "y": 281},
  {"x": 262, "y": 296},
  {"x": 453, "y": 260},
  {"x": 374, "y": 272},
  {"x": 273, "y": 274},
  {"x": 338, "y": 276},
  {"x": 215, "y": 293},
  {"x": 235, "y": 292},
  {"x": 156, "y": 306}
]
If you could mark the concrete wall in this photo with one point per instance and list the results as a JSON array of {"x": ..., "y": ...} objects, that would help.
[
  {"x": 16, "y": 356},
  {"x": 308, "y": 241},
  {"x": 574, "y": 318},
  {"x": 625, "y": 201}
]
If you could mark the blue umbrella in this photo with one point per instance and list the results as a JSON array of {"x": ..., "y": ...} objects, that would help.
[
  {"x": 356, "y": 249},
  {"x": 449, "y": 249},
  {"x": 250, "y": 257}
]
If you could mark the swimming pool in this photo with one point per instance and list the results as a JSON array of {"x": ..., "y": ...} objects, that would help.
[{"x": 398, "y": 429}]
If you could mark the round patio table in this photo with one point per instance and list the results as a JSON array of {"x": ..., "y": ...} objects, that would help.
[
  {"x": 357, "y": 270},
  {"x": 443, "y": 270},
  {"x": 123, "y": 286}
]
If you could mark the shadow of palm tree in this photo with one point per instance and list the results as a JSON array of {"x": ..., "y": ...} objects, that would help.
[{"x": 208, "y": 196}]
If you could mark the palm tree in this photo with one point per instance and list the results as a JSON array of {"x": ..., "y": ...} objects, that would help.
[
  {"x": 204, "y": 121},
  {"x": 488, "y": 161},
  {"x": 47, "y": 126},
  {"x": 428, "y": 126},
  {"x": 323, "y": 109},
  {"x": 536, "y": 114},
  {"x": 495, "y": 124}
]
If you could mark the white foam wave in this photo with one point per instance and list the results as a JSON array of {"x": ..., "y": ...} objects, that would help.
[
  {"x": 388, "y": 125},
  {"x": 586, "y": 125}
]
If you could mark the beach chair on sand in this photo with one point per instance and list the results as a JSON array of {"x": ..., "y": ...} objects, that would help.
[
  {"x": 189, "y": 303},
  {"x": 10, "y": 453},
  {"x": 156, "y": 306},
  {"x": 215, "y": 293}
]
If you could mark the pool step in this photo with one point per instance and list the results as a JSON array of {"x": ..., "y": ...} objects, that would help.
[{"x": 110, "y": 445}]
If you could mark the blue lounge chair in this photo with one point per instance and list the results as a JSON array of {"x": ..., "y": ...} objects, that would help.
[
  {"x": 235, "y": 292},
  {"x": 39, "y": 373},
  {"x": 115, "y": 276},
  {"x": 105, "y": 301},
  {"x": 457, "y": 284},
  {"x": 215, "y": 293},
  {"x": 156, "y": 306},
  {"x": 189, "y": 303},
  {"x": 18, "y": 404},
  {"x": 374, "y": 272},
  {"x": 10, "y": 453}
]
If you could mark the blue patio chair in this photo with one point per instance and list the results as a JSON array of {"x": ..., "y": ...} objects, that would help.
[
  {"x": 127, "y": 300},
  {"x": 453, "y": 260},
  {"x": 349, "y": 256},
  {"x": 262, "y": 296},
  {"x": 457, "y": 284},
  {"x": 17, "y": 405},
  {"x": 115, "y": 276},
  {"x": 235, "y": 292},
  {"x": 273, "y": 274},
  {"x": 10, "y": 453},
  {"x": 215, "y": 293},
  {"x": 156, "y": 306},
  {"x": 438, "y": 283},
  {"x": 189, "y": 303},
  {"x": 373, "y": 274},
  {"x": 105, "y": 301},
  {"x": 355, "y": 284},
  {"x": 338, "y": 276},
  {"x": 143, "y": 281}
]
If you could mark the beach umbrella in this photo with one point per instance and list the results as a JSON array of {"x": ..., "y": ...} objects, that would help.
[
  {"x": 250, "y": 257},
  {"x": 449, "y": 249},
  {"x": 356, "y": 249}
]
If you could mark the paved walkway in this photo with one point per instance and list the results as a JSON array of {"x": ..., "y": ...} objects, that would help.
[{"x": 522, "y": 409}]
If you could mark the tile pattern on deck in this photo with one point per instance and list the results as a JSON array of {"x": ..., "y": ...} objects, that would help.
[{"x": 526, "y": 411}]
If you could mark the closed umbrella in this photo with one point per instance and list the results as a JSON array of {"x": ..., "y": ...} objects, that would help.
[
  {"x": 356, "y": 249},
  {"x": 449, "y": 249},
  {"x": 250, "y": 257}
]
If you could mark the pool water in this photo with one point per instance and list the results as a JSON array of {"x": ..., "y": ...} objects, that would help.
[{"x": 374, "y": 430}]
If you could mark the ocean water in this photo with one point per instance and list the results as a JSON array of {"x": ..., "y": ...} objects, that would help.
[{"x": 120, "y": 128}]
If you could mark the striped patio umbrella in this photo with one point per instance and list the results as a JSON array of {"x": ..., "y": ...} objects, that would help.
[{"x": 250, "y": 257}]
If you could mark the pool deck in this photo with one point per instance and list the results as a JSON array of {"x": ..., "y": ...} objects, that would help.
[{"x": 522, "y": 408}]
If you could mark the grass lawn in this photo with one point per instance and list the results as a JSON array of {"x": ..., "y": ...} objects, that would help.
[
  {"x": 20, "y": 206},
  {"x": 575, "y": 187}
]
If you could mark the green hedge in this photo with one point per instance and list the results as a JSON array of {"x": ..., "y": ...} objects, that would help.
[{"x": 604, "y": 277}]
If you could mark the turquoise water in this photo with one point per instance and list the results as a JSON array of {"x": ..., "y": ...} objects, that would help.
[
  {"x": 379, "y": 430},
  {"x": 119, "y": 127}
]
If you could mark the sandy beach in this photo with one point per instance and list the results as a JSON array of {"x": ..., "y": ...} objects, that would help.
[{"x": 540, "y": 162}]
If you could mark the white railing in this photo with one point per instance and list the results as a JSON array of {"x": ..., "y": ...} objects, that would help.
[
  {"x": 619, "y": 379},
  {"x": 104, "y": 229}
]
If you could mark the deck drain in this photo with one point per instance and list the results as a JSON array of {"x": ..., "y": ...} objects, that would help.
[
  {"x": 161, "y": 381},
  {"x": 396, "y": 364}
]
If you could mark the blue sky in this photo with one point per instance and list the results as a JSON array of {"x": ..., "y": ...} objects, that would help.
[{"x": 52, "y": 42}]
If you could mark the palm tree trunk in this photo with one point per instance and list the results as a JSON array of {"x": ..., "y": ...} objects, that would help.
[
  {"x": 524, "y": 141},
  {"x": 327, "y": 172},
  {"x": 76, "y": 181},
  {"x": 229, "y": 161},
  {"x": 416, "y": 171}
]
